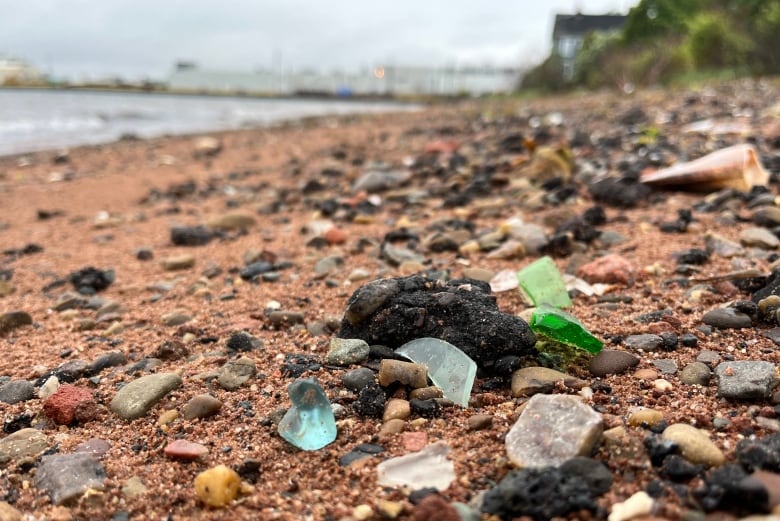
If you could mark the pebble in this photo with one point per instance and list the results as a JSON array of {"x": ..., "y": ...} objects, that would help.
[
  {"x": 696, "y": 373},
  {"x": 65, "y": 477},
  {"x": 232, "y": 221},
  {"x": 426, "y": 393},
  {"x": 135, "y": 398},
  {"x": 236, "y": 373},
  {"x": 662, "y": 386},
  {"x": 70, "y": 403},
  {"x": 725, "y": 318},
  {"x": 396, "y": 409},
  {"x": 645, "y": 342},
  {"x": 191, "y": 235},
  {"x": 217, "y": 486},
  {"x": 357, "y": 379},
  {"x": 133, "y": 487},
  {"x": 179, "y": 262},
  {"x": 745, "y": 380},
  {"x": 479, "y": 274},
  {"x": 695, "y": 445},
  {"x": 611, "y": 361},
  {"x": 722, "y": 246},
  {"x": 640, "y": 504},
  {"x": 406, "y": 373},
  {"x": 49, "y": 387},
  {"x": 94, "y": 446},
  {"x": 552, "y": 429},
  {"x": 665, "y": 365},
  {"x": 532, "y": 380},
  {"x": 758, "y": 238},
  {"x": 11, "y": 320},
  {"x": 185, "y": 450},
  {"x": 201, "y": 406},
  {"x": 22, "y": 446},
  {"x": 175, "y": 318},
  {"x": 285, "y": 318},
  {"x": 6, "y": 288},
  {"x": 207, "y": 146},
  {"x": 609, "y": 269},
  {"x": 16, "y": 391},
  {"x": 328, "y": 265},
  {"x": 347, "y": 351},
  {"x": 144, "y": 254},
  {"x": 708, "y": 357},
  {"x": 478, "y": 422},
  {"x": 9, "y": 513},
  {"x": 243, "y": 341},
  {"x": 645, "y": 416},
  {"x": 391, "y": 427}
]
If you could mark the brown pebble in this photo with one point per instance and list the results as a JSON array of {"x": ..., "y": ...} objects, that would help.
[
  {"x": 393, "y": 426},
  {"x": 407, "y": 373},
  {"x": 185, "y": 450},
  {"x": 201, "y": 406},
  {"x": 612, "y": 361},
  {"x": 396, "y": 408},
  {"x": 479, "y": 422},
  {"x": 646, "y": 374},
  {"x": 426, "y": 393},
  {"x": 435, "y": 508}
]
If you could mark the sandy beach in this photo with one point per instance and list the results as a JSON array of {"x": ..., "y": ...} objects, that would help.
[{"x": 448, "y": 183}]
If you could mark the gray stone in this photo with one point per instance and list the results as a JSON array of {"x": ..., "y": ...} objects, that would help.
[
  {"x": 23, "y": 445},
  {"x": 236, "y": 373},
  {"x": 644, "y": 342},
  {"x": 745, "y": 380},
  {"x": 357, "y": 379},
  {"x": 282, "y": 318},
  {"x": 201, "y": 406},
  {"x": 175, "y": 318},
  {"x": 14, "y": 319},
  {"x": 347, "y": 351},
  {"x": 708, "y": 357},
  {"x": 767, "y": 216},
  {"x": 725, "y": 318},
  {"x": 722, "y": 246},
  {"x": 65, "y": 477},
  {"x": 697, "y": 373},
  {"x": 552, "y": 429},
  {"x": 758, "y": 238},
  {"x": 532, "y": 237},
  {"x": 665, "y": 365},
  {"x": 378, "y": 181},
  {"x": 137, "y": 397},
  {"x": 179, "y": 262},
  {"x": 611, "y": 361},
  {"x": 328, "y": 265},
  {"x": 16, "y": 391}
]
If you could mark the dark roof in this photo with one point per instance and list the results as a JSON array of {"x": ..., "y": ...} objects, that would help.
[{"x": 581, "y": 24}]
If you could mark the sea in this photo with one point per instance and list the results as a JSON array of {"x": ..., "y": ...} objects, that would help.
[{"x": 32, "y": 120}]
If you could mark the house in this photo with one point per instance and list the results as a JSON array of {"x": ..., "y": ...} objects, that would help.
[
  {"x": 570, "y": 31},
  {"x": 17, "y": 72}
]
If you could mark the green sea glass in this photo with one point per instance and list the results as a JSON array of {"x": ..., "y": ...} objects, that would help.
[
  {"x": 449, "y": 368},
  {"x": 309, "y": 424},
  {"x": 542, "y": 282},
  {"x": 562, "y": 327}
]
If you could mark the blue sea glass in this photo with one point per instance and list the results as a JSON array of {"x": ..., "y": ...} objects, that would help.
[
  {"x": 543, "y": 283},
  {"x": 449, "y": 368},
  {"x": 309, "y": 424}
]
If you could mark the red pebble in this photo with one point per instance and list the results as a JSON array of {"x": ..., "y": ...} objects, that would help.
[
  {"x": 186, "y": 450},
  {"x": 609, "y": 269},
  {"x": 70, "y": 403},
  {"x": 414, "y": 441},
  {"x": 335, "y": 236}
]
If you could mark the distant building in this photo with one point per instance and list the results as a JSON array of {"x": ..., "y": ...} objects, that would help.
[
  {"x": 570, "y": 31},
  {"x": 16, "y": 72},
  {"x": 380, "y": 80}
]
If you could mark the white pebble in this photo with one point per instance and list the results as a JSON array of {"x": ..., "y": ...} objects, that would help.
[{"x": 637, "y": 505}]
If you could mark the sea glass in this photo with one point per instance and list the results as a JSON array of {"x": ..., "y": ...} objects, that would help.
[
  {"x": 563, "y": 327},
  {"x": 543, "y": 284},
  {"x": 449, "y": 368},
  {"x": 426, "y": 468},
  {"x": 309, "y": 424}
]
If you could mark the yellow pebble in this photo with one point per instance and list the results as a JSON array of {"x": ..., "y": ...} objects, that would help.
[
  {"x": 362, "y": 512},
  {"x": 217, "y": 486}
]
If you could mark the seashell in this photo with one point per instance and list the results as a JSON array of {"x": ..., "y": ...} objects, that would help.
[{"x": 733, "y": 167}]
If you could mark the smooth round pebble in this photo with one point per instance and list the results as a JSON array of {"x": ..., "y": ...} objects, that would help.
[
  {"x": 696, "y": 373},
  {"x": 727, "y": 318},
  {"x": 357, "y": 379},
  {"x": 611, "y": 361},
  {"x": 695, "y": 445},
  {"x": 217, "y": 486},
  {"x": 201, "y": 406}
]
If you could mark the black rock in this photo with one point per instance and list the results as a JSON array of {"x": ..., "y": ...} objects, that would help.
[
  {"x": 670, "y": 341},
  {"x": 771, "y": 286},
  {"x": 371, "y": 402},
  {"x": 506, "y": 365},
  {"x": 622, "y": 192},
  {"x": 730, "y": 488},
  {"x": 243, "y": 341},
  {"x": 694, "y": 256},
  {"x": 763, "y": 454},
  {"x": 249, "y": 470},
  {"x": 689, "y": 340},
  {"x": 361, "y": 451},
  {"x": 17, "y": 423},
  {"x": 191, "y": 235},
  {"x": 677, "y": 468},
  {"x": 462, "y": 312},
  {"x": 539, "y": 493},
  {"x": 105, "y": 361},
  {"x": 424, "y": 408},
  {"x": 295, "y": 365},
  {"x": 658, "y": 449},
  {"x": 357, "y": 379},
  {"x": 144, "y": 254},
  {"x": 89, "y": 281},
  {"x": 592, "y": 472},
  {"x": 255, "y": 269}
]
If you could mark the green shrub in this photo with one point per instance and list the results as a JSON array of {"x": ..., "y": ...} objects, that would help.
[{"x": 714, "y": 43}]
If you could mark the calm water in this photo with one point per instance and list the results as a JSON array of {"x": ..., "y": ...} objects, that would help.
[{"x": 42, "y": 120}]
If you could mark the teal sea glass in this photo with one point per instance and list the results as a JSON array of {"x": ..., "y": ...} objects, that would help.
[
  {"x": 543, "y": 283},
  {"x": 562, "y": 327},
  {"x": 309, "y": 424},
  {"x": 449, "y": 368}
]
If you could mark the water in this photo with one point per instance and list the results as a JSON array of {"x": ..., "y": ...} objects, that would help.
[{"x": 42, "y": 120}]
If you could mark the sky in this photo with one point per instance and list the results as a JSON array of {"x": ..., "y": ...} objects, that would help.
[{"x": 142, "y": 39}]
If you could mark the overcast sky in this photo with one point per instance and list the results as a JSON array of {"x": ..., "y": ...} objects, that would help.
[{"x": 79, "y": 39}]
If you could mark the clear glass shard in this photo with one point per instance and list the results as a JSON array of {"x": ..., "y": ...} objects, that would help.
[
  {"x": 309, "y": 424},
  {"x": 449, "y": 368},
  {"x": 426, "y": 468}
]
